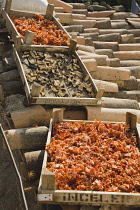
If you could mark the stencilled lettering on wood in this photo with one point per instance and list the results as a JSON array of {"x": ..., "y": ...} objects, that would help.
[{"x": 96, "y": 198}]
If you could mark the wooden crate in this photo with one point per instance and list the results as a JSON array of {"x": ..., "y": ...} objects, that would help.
[
  {"x": 15, "y": 35},
  {"x": 67, "y": 101},
  {"x": 48, "y": 194}
]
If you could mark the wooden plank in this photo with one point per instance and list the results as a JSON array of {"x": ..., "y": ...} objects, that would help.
[
  {"x": 100, "y": 93},
  {"x": 57, "y": 115},
  {"x": 18, "y": 13},
  {"x": 49, "y": 196},
  {"x": 67, "y": 101},
  {"x": 90, "y": 197},
  {"x": 138, "y": 134},
  {"x": 131, "y": 119},
  {"x": 72, "y": 47},
  {"x": 42, "y": 48},
  {"x": 11, "y": 29},
  {"x": 36, "y": 89},
  {"x": 29, "y": 36},
  {"x": 86, "y": 72},
  {"x": 48, "y": 179},
  {"x": 18, "y": 42},
  {"x": 8, "y": 5},
  {"x": 21, "y": 72},
  {"x": 49, "y": 12},
  {"x": 9, "y": 24}
]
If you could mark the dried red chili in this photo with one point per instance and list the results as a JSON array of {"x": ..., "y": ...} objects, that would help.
[
  {"x": 96, "y": 156},
  {"x": 46, "y": 31}
]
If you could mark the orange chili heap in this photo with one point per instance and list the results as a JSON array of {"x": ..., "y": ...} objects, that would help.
[
  {"x": 96, "y": 156},
  {"x": 46, "y": 31}
]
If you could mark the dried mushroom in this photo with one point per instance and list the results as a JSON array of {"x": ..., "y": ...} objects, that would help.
[{"x": 58, "y": 73}]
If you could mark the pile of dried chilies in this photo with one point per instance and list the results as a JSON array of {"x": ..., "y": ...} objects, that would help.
[
  {"x": 46, "y": 31},
  {"x": 96, "y": 156}
]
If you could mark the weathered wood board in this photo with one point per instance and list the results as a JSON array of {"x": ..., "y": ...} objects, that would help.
[
  {"x": 50, "y": 99},
  {"x": 48, "y": 194}
]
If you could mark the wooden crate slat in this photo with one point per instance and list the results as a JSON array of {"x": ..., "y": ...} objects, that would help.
[
  {"x": 21, "y": 72},
  {"x": 90, "y": 198},
  {"x": 10, "y": 26}
]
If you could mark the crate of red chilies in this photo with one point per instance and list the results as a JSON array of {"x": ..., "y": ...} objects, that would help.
[
  {"x": 91, "y": 163},
  {"x": 29, "y": 28}
]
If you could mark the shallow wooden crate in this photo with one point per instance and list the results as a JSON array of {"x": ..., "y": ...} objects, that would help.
[
  {"x": 66, "y": 101},
  {"x": 15, "y": 35},
  {"x": 48, "y": 194}
]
